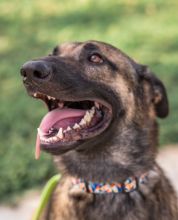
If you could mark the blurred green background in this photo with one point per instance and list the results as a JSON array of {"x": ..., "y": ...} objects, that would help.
[{"x": 146, "y": 30}]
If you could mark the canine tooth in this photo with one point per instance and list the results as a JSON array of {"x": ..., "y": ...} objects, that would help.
[
  {"x": 60, "y": 133},
  {"x": 68, "y": 128},
  {"x": 35, "y": 94},
  {"x": 97, "y": 105},
  {"x": 40, "y": 132},
  {"x": 76, "y": 126}
]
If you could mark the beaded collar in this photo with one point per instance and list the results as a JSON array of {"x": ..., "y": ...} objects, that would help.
[{"x": 129, "y": 185}]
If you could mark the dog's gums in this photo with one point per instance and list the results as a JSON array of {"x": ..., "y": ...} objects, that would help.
[{"x": 69, "y": 121}]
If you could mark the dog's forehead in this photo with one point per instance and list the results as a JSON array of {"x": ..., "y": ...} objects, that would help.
[
  {"x": 72, "y": 48},
  {"x": 69, "y": 47},
  {"x": 65, "y": 49}
]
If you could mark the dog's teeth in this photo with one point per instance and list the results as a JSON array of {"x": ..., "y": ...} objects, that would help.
[
  {"x": 76, "y": 126},
  {"x": 87, "y": 117},
  {"x": 55, "y": 138},
  {"x": 50, "y": 97},
  {"x": 61, "y": 104},
  {"x": 40, "y": 132},
  {"x": 60, "y": 133},
  {"x": 51, "y": 130},
  {"x": 49, "y": 140},
  {"x": 87, "y": 114},
  {"x": 35, "y": 94},
  {"x": 52, "y": 139},
  {"x": 46, "y": 141},
  {"x": 82, "y": 122},
  {"x": 68, "y": 128},
  {"x": 43, "y": 138},
  {"x": 92, "y": 111},
  {"x": 97, "y": 105}
]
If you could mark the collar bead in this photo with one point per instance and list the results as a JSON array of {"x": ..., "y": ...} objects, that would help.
[{"x": 99, "y": 188}]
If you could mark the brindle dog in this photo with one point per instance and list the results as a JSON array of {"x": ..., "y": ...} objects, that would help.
[{"x": 115, "y": 141}]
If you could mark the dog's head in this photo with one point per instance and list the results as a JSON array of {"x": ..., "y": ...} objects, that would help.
[{"x": 95, "y": 94}]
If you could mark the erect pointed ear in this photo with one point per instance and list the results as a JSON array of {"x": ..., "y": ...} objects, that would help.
[
  {"x": 159, "y": 94},
  {"x": 56, "y": 51}
]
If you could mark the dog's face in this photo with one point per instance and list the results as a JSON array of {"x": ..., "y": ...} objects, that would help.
[{"x": 94, "y": 92}]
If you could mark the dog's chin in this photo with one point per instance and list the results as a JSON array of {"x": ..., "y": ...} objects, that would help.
[
  {"x": 70, "y": 124},
  {"x": 60, "y": 148}
]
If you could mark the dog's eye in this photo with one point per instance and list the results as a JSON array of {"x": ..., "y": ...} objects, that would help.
[{"x": 96, "y": 58}]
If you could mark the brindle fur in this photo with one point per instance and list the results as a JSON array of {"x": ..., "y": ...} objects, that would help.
[{"x": 126, "y": 148}]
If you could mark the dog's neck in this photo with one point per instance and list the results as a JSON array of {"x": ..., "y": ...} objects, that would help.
[
  {"x": 99, "y": 169},
  {"x": 105, "y": 167},
  {"x": 124, "y": 156}
]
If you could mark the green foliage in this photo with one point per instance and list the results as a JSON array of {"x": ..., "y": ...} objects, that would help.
[{"x": 146, "y": 30}]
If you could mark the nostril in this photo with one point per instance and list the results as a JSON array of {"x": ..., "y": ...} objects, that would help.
[
  {"x": 38, "y": 74},
  {"x": 41, "y": 74}
]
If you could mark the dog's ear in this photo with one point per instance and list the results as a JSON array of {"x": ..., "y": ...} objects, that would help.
[
  {"x": 159, "y": 95},
  {"x": 56, "y": 51}
]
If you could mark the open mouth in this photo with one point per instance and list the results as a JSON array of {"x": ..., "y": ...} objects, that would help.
[{"x": 70, "y": 121}]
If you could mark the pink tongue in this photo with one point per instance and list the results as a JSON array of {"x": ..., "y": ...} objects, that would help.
[
  {"x": 54, "y": 117},
  {"x": 57, "y": 115},
  {"x": 37, "y": 149}
]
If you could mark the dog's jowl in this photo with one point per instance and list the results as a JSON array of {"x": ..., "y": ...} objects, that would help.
[{"x": 101, "y": 130}]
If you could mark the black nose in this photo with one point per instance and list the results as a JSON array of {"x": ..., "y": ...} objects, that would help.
[{"x": 35, "y": 70}]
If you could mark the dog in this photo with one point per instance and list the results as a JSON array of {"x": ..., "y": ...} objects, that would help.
[{"x": 101, "y": 129}]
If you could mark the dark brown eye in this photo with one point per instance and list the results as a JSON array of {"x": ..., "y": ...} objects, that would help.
[{"x": 96, "y": 58}]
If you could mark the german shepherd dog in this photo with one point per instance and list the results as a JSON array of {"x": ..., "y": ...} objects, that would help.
[{"x": 101, "y": 129}]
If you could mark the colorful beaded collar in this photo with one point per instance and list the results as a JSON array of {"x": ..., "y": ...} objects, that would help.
[{"x": 129, "y": 185}]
